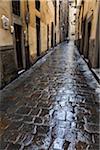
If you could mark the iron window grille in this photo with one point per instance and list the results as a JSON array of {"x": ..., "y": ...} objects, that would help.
[{"x": 16, "y": 7}]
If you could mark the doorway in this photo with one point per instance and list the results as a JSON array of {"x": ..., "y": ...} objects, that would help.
[
  {"x": 47, "y": 36},
  {"x": 38, "y": 35},
  {"x": 83, "y": 35},
  {"x": 89, "y": 33},
  {"x": 55, "y": 38},
  {"x": 52, "y": 28},
  {"x": 18, "y": 41}
]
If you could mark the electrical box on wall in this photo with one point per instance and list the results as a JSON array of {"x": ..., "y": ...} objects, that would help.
[{"x": 5, "y": 22}]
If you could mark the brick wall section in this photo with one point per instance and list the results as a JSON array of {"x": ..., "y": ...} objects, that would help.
[{"x": 7, "y": 65}]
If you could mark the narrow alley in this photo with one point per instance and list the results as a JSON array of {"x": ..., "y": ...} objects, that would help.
[{"x": 52, "y": 106}]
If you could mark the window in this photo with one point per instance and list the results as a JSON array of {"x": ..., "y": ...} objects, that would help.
[
  {"x": 37, "y": 4},
  {"x": 16, "y": 7},
  {"x": 55, "y": 12}
]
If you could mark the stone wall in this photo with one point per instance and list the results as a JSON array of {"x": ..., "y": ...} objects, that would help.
[{"x": 7, "y": 65}]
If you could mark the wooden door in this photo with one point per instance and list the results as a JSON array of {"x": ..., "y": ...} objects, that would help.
[{"x": 18, "y": 42}]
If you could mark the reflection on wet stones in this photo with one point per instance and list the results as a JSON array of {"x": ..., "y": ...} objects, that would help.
[
  {"x": 59, "y": 108},
  {"x": 58, "y": 144},
  {"x": 70, "y": 116},
  {"x": 60, "y": 115}
]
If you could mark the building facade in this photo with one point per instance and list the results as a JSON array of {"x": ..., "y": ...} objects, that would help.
[
  {"x": 72, "y": 12},
  {"x": 63, "y": 19},
  {"x": 88, "y": 31},
  {"x": 27, "y": 30}
]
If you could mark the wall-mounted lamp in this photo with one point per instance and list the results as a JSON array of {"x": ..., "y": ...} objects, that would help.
[{"x": 12, "y": 29}]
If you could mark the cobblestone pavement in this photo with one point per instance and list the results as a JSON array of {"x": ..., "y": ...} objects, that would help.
[{"x": 52, "y": 106}]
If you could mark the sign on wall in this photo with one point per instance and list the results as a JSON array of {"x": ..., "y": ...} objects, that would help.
[{"x": 5, "y": 22}]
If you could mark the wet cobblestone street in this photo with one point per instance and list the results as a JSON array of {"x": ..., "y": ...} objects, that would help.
[{"x": 52, "y": 106}]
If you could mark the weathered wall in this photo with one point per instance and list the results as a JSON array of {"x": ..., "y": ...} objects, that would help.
[
  {"x": 5, "y": 35},
  {"x": 88, "y": 13},
  {"x": 46, "y": 15},
  {"x": 72, "y": 11},
  {"x": 8, "y": 53},
  {"x": 63, "y": 24}
]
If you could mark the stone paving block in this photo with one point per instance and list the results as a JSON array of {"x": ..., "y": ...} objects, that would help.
[
  {"x": 16, "y": 118},
  {"x": 71, "y": 135},
  {"x": 38, "y": 140},
  {"x": 62, "y": 103},
  {"x": 70, "y": 116},
  {"x": 31, "y": 147},
  {"x": 60, "y": 132},
  {"x": 63, "y": 124},
  {"x": 42, "y": 129},
  {"x": 92, "y": 119},
  {"x": 96, "y": 138},
  {"x": 60, "y": 115},
  {"x": 38, "y": 120},
  {"x": 93, "y": 147},
  {"x": 46, "y": 120},
  {"x": 44, "y": 112},
  {"x": 84, "y": 136},
  {"x": 28, "y": 140},
  {"x": 11, "y": 136},
  {"x": 45, "y": 104},
  {"x": 81, "y": 145},
  {"x": 15, "y": 126},
  {"x": 4, "y": 124},
  {"x": 22, "y": 137},
  {"x": 28, "y": 128},
  {"x": 35, "y": 111},
  {"x": 58, "y": 144},
  {"x": 23, "y": 110},
  {"x": 31, "y": 103},
  {"x": 12, "y": 146},
  {"x": 28, "y": 119},
  {"x": 3, "y": 145},
  {"x": 92, "y": 128}
]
